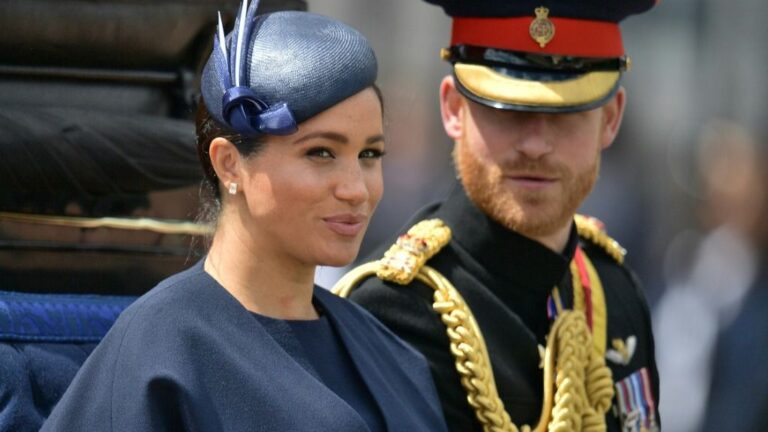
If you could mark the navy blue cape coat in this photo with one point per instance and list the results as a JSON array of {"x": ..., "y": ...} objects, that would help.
[{"x": 187, "y": 356}]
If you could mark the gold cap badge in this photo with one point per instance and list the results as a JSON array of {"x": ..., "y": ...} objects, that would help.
[{"x": 542, "y": 30}]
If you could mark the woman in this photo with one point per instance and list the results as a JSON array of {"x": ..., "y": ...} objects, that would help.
[{"x": 291, "y": 142}]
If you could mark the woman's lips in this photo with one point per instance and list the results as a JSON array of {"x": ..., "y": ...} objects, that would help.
[{"x": 347, "y": 225}]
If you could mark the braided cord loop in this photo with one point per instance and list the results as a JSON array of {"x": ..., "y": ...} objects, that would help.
[
  {"x": 470, "y": 353},
  {"x": 583, "y": 381}
]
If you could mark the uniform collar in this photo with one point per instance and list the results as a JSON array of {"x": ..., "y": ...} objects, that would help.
[{"x": 504, "y": 253}]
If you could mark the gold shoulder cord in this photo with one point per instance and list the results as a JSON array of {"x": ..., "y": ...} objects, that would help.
[
  {"x": 578, "y": 387},
  {"x": 592, "y": 229}
]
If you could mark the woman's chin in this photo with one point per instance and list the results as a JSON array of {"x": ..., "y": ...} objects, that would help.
[{"x": 339, "y": 258}]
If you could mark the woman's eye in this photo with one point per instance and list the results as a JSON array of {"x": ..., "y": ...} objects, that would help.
[
  {"x": 320, "y": 152},
  {"x": 371, "y": 154}
]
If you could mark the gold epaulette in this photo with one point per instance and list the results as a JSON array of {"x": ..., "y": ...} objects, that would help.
[
  {"x": 593, "y": 230},
  {"x": 412, "y": 250}
]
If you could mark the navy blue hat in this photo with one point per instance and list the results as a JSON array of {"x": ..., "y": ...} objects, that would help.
[
  {"x": 541, "y": 56},
  {"x": 277, "y": 70}
]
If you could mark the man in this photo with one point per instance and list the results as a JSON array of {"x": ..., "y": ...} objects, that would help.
[{"x": 523, "y": 308}]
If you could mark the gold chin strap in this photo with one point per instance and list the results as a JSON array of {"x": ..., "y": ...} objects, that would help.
[{"x": 578, "y": 387}]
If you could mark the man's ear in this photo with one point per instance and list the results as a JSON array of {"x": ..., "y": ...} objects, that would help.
[
  {"x": 225, "y": 159},
  {"x": 451, "y": 108},
  {"x": 613, "y": 112}
]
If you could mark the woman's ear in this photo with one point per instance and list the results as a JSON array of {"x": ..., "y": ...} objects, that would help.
[
  {"x": 225, "y": 160},
  {"x": 613, "y": 112},
  {"x": 451, "y": 108}
]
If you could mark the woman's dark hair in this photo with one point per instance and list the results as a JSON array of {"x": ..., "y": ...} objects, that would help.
[{"x": 208, "y": 129}]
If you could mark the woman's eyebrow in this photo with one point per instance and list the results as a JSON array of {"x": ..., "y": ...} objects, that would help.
[
  {"x": 374, "y": 139},
  {"x": 333, "y": 136}
]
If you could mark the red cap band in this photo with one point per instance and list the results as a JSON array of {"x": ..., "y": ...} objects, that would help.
[{"x": 573, "y": 37}]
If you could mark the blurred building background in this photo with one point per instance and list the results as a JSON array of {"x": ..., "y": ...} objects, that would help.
[{"x": 695, "y": 62}]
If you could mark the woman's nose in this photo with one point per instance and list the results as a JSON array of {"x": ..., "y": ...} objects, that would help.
[{"x": 351, "y": 186}]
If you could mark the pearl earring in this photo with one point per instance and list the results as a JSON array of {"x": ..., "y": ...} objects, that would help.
[{"x": 233, "y": 188}]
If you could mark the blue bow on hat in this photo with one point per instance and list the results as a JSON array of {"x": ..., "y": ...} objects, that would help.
[{"x": 242, "y": 110}]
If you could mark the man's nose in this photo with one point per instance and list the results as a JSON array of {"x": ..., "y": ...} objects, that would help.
[{"x": 534, "y": 140}]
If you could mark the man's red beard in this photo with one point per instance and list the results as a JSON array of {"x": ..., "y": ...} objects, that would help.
[{"x": 531, "y": 213}]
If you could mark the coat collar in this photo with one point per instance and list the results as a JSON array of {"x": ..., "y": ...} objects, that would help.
[
  {"x": 287, "y": 361},
  {"x": 370, "y": 355},
  {"x": 366, "y": 346}
]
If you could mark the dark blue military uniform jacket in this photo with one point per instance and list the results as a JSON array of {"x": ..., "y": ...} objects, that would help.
[
  {"x": 188, "y": 356},
  {"x": 506, "y": 279}
]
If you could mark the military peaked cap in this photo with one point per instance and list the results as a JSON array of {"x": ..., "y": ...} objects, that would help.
[{"x": 543, "y": 56}]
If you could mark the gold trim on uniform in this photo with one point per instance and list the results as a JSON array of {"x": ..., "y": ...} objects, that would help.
[
  {"x": 578, "y": 386},
  {"x": 445, "y": 54},
  {"x": 408, "y": 255},
  {"x": 591, "y": 229}
]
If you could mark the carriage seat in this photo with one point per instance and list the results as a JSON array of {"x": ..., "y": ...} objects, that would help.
[{"x": 44, "y": 339}]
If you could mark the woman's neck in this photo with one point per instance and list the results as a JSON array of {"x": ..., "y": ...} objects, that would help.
[{"x": 262, "y": 281}]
